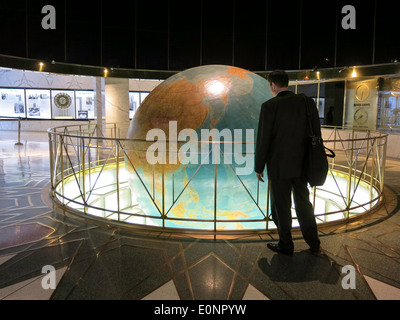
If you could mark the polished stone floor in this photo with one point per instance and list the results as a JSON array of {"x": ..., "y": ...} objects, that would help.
[{"x": 102, "y": 262}]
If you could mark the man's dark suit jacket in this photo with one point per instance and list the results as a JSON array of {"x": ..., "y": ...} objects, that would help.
[{"x": 282, "y": 135}]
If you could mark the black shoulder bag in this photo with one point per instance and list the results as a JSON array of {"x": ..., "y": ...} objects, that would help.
[{"x": 316, "y": 162}]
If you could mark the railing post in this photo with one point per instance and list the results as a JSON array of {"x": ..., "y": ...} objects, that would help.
[
  {"x": 350, "y": 176},
  {"x": 83, "y": 174},
  {"x": 163, "y": 194},
  {"x": 62, "y": 167},
  {"x": 374, "y": 154},
  {"x": 19, "y": 143},
  {"x": 215, "y": 197},
  {"x": 117, "y": 169},
  {"x": 334, "y": 146},
  {"x": 383, "y": 161},
  {"x": 51, "y": 158}
]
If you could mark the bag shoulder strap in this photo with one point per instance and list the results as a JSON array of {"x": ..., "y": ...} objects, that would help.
[
  {"x": 308, "y": 113},
  {"x": 331, "y": 152}
]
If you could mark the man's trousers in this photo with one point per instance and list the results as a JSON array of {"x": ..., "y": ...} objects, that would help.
[{"x": 281, "y": 201}]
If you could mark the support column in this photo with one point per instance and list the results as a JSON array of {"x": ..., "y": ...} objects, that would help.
[
  {"x": 99, "y": 102},
  {"x": 116, "y": 100}
]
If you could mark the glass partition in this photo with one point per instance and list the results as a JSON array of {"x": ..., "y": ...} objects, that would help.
[
  {"x": 331, "y": 96},
  {"x": 135, "y": 100},
  {"x": 389, "y": 104},
  {"x": 312, "y": 90},
  {"x": 309, "y": 89}
]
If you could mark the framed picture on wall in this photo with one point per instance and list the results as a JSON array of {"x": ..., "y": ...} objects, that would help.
[
  {"x": 38, "y": 103},
  {"x": 63, "y": 104},
  {"x": 12, "y": 102},
  {"x": 84, "y": 104}
]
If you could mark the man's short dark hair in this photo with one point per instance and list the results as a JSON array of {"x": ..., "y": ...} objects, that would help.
[{"x": 279, "y": 77}]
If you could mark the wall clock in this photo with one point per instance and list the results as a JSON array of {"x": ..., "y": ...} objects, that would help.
[
  {"x": 362, "y": 92},
  {"x": 361, "y": 116}
]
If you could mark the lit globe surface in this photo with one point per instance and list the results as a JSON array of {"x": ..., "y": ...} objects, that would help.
[{"x": 218, "y": 183}]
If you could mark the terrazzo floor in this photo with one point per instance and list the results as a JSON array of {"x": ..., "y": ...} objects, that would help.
[{"x": 94, "y": 262}]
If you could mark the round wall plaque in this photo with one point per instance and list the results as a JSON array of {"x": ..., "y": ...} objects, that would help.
[{"x": 62, "y": 100}]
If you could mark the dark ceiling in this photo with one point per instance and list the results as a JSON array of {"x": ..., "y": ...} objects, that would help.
[{"x": 179, "y": 34}]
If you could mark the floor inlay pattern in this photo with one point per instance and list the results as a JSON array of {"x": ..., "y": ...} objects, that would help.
[{"x": 96, "y": 262}]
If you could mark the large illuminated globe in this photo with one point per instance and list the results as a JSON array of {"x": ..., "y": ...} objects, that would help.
[{"x": 195, "y": 179}]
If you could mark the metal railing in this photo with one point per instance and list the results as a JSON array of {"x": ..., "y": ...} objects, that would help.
[{"x": 97, "y": 173}]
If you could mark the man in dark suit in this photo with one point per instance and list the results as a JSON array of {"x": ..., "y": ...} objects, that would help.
[{"x": 281, "y": 146}]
